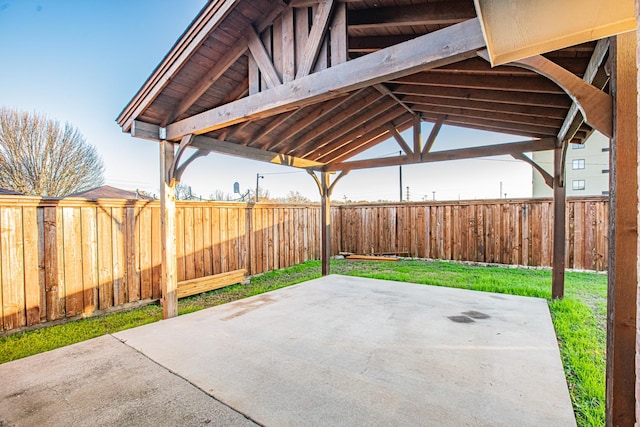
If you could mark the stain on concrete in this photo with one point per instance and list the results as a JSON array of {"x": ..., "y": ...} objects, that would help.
[
  {"x": 249, "y": 305},
  {"x": 476, "y": 314},
  {"x": 461, "y": 319}
]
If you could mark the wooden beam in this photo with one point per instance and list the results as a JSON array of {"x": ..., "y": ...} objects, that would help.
[
  {"x": 223, "y": 147},
  {"x": 325, "y": 189},
  {"x": 262, "y": 58},
  {"x": 316, "y": 37},
  {"x": 594, "y": 104},
  {"x": 441, "y": 156},
  {"x": 433, "y": 135},
  {"x": 515, "y": 98},
  {"x": 145, "y": 130},
  {"x": 326, "y": 224},
  {"x": 622, "y": 298},
  {"x": 168, "y": 227},
  {"x": 531, "y": 84},
  {"x": 436, "y": 13},
  {"x": 435, "y": 49},
  {"x": 559, "y": 222}
]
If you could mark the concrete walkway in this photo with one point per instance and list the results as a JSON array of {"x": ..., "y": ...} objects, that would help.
[{"x": 332, "y": 351}]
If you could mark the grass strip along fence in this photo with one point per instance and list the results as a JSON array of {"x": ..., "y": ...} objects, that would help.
[{"x": 579, "y": 319}]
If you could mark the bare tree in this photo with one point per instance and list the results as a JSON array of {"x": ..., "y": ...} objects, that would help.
[{"x": 39, "y": 157}]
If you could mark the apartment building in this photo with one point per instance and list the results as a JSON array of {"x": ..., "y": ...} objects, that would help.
[{"x": 587, "y": 168}]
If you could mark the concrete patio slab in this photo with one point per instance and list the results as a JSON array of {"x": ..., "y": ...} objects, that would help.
[
  {"x": 102, "y": 382},
  {"x": 350, "y": 351}
]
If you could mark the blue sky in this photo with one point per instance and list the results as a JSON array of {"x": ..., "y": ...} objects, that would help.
[{"x": 81, "y": 61}]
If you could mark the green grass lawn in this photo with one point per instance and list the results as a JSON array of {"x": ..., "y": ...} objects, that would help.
[{"x": 579, "y": 319}]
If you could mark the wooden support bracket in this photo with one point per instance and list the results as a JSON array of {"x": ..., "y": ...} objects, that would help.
[
  {"x": 433, "y": 135},
  {"x": 326, "y": 192},
  {"x": 399, "y": 139},
  {"x": 172, "y": 171},
  {"x": 595, "y": 105},
  {"x": 385, "y": 91},
  {"x": 548, "y": 178}
]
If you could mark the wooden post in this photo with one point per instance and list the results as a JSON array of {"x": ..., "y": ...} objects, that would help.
[
  {"x": 326, "y": 222},
  {"x": 623, "y": 235},
  {"x": 168, "y": 224},
  {"x": 559, "y": 226}
]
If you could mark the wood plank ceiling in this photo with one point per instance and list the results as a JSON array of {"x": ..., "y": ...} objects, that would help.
[{"x": 468, "y": 93}]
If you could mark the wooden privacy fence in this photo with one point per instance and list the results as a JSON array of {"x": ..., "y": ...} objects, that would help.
[
  {"x": 497, "y": 231},
  {"x": 66, "y": 258}
]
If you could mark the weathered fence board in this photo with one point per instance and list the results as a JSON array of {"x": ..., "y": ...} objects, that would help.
[{"x": 64, "y": 258}]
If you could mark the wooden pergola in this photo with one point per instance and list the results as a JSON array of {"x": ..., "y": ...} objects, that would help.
[{"x": 313, "y": 83}]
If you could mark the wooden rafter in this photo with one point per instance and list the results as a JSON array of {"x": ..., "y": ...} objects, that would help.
[
  {"x": 497, "y": 107},
  {"x": 550, "y": 123},
  {"x": 365, "y": 141},
  {"x": 434, "y": 13},
  {"x": 505, "y": 97},
  {"x": 450, "y": 44},
  {"x": 440, "y": 156},
  {"x": 494, "y": 125},
  {"x": 374, "y": 127},
  {"x": 316, "y": 114},
  {"x": 531, "y": 84},
  {"x": 340, "y": 137},
  {"x": 268, "y": 128},
  {"x": 344, "y": 117},
  {"x": 343, "y": 125}
]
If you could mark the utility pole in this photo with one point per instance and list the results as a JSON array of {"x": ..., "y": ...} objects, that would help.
[
  {"x": 258, "y": 176},
  {"x": 408, "y": 196},
  {"x": 400, "y": 170},
  {"x": 434, "y": 196}
]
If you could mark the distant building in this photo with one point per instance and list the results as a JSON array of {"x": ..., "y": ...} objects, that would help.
[
  {"x": 6, "y": 192},
  {"x": 587, "y": 168},
  {"x": 108, "y": 192}
]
